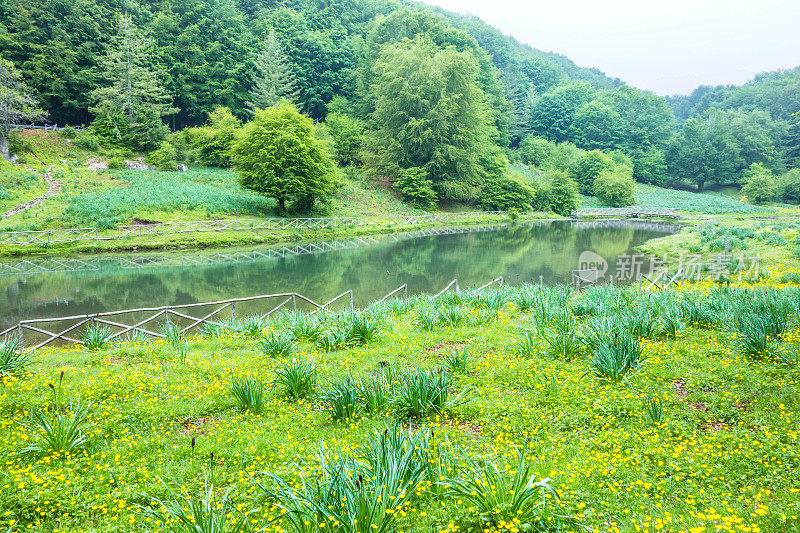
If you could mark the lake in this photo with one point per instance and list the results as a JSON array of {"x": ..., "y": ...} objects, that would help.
[{"x": 426, "y": 260}]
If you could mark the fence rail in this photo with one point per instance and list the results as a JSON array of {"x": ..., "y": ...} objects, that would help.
[
  {"x": 142, "y": 320},
  {"x": 48, "y": 237},
  {"x": 628, "y": 212},
  {"x": 53, "y": 188}
]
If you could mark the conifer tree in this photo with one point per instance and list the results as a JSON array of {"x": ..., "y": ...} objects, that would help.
[
  {"x": 130, "y": 107},
  {"x": 273, "y": 79},
  {"x": 16, "y": 102}
]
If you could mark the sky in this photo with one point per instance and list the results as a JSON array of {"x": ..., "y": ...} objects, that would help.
[{"x": 664, "y": 46}]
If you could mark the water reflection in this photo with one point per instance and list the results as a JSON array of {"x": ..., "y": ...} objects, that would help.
[{"x": 372, "y": 266}]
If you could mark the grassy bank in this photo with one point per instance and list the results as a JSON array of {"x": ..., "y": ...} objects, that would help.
[{"x": 612, "y": 410}]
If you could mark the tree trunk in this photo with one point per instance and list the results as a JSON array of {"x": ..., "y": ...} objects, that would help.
[
  {"x": 4, "y": 147},
  {"x": 282, "y": 206}
]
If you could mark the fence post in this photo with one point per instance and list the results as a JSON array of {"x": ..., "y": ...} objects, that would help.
[
  {"x": 294, "y": 301},
  {"x": 351, "y": 299},
  {"x": 19, "y": 336},
  {"x": 233, "y": 310},
  {"x": 456, "y": 285},
  {"x": 541, "y": 280},
  {"x": 610, "y": 280},
  {"x": 405, "y": 291}
]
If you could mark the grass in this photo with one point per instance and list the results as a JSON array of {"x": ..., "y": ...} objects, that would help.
[{"x": 355, "y": 425}]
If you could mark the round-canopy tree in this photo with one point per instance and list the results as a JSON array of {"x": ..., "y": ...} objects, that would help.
[{"x": 277, "y": 155}]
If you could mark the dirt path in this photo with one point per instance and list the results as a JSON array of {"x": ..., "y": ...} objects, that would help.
[{"x": 54, "y": 187}]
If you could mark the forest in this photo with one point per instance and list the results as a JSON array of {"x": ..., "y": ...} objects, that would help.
[{"x": 444, "y": 107}]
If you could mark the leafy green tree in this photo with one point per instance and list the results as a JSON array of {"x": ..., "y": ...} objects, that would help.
[
  {"x": 788, "y": 186},
  {"x": 133, "y": 99},
  {"x": 213, "y": 141},
  {"x": 416, "y": 188},
  {"x": 428, "y": 113},
  {"x": 273, "y": 79},
  {"x": 16, "y": 103},
  {"x": 552, "y": 112},
  {"x": 705, "y": 151},
  {"x": 536, "y": 151},
  {"x": 759, "y": 184},
  {"x": 590, "y": 165},
  {"x": 278, "y": 155},
  {"x": 563, "y": 195},
  {"x": 348, "y": 137},
  {"x": 615, "y": 188},
  {"x": 505, "y": 193},
  {"x": 646, "y": 119},
  {"x": 649, "y": 166},
  {"x": 596, "y": 126}
]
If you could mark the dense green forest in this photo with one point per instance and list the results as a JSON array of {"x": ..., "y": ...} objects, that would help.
[{"x": 443, "y": 106}]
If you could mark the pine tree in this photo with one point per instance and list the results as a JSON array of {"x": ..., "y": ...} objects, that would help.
[
  {"x": 273, "y": 79},
  {"x": 16, "y": 102},
  {"x": 130, "y": 107}
]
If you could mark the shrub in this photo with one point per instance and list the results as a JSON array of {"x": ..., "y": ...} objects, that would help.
[
  {"x": 615, "y": 188},
  {"x": 759, "y": 186},
  {"x": 163, "y": 158},
  {"x": 213, "y": 141},
  {"x": 68, "y": 132},
  {"x": 115, "y": 163},
  {"x": 788, "y": 186},
  {"x": 249, "y": 393},
  {"x": 536, "y": 151},
  {"x": 506, "y": 193},
  {"x": 416, "y": 188},
  {"x": 297, "y": 378},
  {"x": 347, "y": 133},
  {"x": 586, "y": 169},
  {"x": 88, "y": 142},
  {"x": 563, "y": 194},
  {"x": 58, "y": 431}
]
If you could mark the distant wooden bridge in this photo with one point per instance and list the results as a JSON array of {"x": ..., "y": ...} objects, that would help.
[{"x": 633, "y": 211}]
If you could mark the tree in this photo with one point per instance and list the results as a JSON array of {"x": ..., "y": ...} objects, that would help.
[
  {"x": 278, "y": 155},
  {"x": 348, "y": 136},
  {"x": 511, "y": 192},
  {"x": 131, "y": 106},
  {"x": 214, "y": 140},
  {"x": 759, "y": 184},
  {"x": 552, "y": 113},
  {"x": 428, "y": 113},
  {"x": 596, "y": 126},
  {"x": 273, "y": 79},
  {"x": 590, "y": 165},
  {"x": 416, "y": 188},
  {"x": 649, "y": 166},
  {"x": 789, "y": 186},
  {"x": 615, "y": 188},
  {"x": 16, "y": 103},
  {"x": 705, "y": 151},
  {"x": 563, "y": 195},
  {"x": 536, "y": 151}
]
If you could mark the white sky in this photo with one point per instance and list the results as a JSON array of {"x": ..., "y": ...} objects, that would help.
[{"x": 665, "y": 46}]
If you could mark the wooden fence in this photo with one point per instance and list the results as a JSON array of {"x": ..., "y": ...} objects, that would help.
[
  {"x": 54, "y": 187},
  {"x": 633, "y": 211},
  {"x": 49, "y": 237},
  {"x": 143, "y": 321}
]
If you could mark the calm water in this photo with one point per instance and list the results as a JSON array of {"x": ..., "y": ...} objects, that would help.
[{"x": 372, "y": 267}]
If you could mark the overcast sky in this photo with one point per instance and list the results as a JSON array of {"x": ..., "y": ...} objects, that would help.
[{"x": 665, "y": 46}]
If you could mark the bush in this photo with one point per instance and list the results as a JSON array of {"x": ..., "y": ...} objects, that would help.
[
  {"x": 416, "y": 188},
  {"x": 116, "y": 163},
  {"x": 503, "y": 194},
  {"x": 347, "y": 133},
  {"x": 213, "y": 141},
  {"x": 163, "y": 158},
  {"x": 615, "y": 188},
  {"x": 759, "y": 186},
  {"x": 563, "y": 194},
  {"x": 590, "y": 165},
  {"x": 87, "y": 141},
  {"x": 536, "y": 151},
  {"x": 68, "y": 132},
  {"x": 788, "y": 186}
]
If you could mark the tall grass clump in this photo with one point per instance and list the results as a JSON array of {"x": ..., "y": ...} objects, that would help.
[
  {"x": 502, "y": 495},
  {"x": 459, "y": 361},
  {"x": 201, "y": 513},
  {"x": 342, "y": 399},
  {"x": 249, "y": 393},
  {"x": 278, "y": 344},
  {"x": 617, "y": 359},
  {"x": 654, "y": 408},
  {"x": 176, "y": 339},
  {"x": 374, "y": 390},
  {"x": 249, "y": 326},
  {"x": 297, "y": 378},
  {"x": 96, "y": 337},
  {"x": 59, "y": 430},
  {"x": 13, "y": 360},
  {"x": 420, "y": 393}
]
